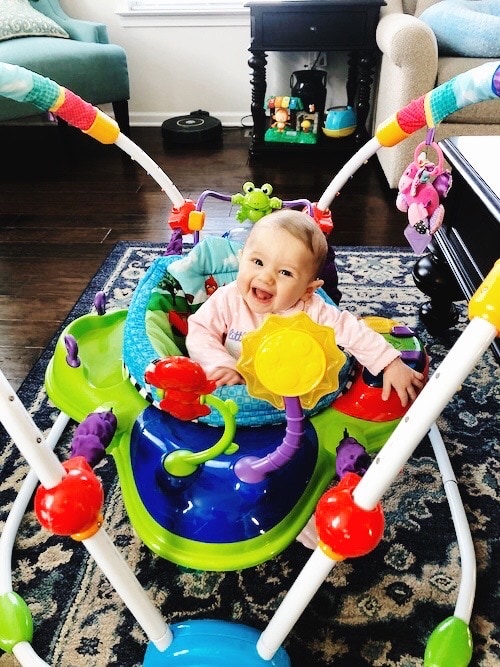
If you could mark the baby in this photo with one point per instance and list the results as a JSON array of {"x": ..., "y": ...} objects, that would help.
[{"x": 279, "y": 265}]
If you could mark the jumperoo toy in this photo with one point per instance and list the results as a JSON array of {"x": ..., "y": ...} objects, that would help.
[{"x": 349, "y": 517}]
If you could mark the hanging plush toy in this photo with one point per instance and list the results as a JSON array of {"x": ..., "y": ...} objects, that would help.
[{"x": 421, "y": 189}]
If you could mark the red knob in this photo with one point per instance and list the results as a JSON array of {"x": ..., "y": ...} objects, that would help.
[
  {"x": 344, "y": 528},
  {"x": 74, "y": 505}
]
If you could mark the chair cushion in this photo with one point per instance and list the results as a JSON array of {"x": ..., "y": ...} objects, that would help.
[
  {"x": 465, "y": 27},
  {"x": 19, "y": 19}
]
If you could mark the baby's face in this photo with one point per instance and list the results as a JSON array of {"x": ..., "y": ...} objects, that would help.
[{"x": 276, "y": 270}]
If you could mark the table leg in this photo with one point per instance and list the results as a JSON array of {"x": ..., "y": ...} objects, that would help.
[
  {"x": 352, "y": 78},
  {"x": 361, "y": 68},
  {"x": 366, "y": 69},
  {"x": 257, "y": 63},
  {"x": 433, "y": 277}
]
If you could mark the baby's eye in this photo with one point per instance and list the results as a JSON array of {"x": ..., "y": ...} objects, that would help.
[
  {"x": 258, "y": 262},
  {"x": 286, "y": 272}
]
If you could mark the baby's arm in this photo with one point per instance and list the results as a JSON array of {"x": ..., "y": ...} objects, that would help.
[
  {"x": 373, "y": 351},
  {"x": 204, "y": 341},
  {"x": 403, "y": 379}
]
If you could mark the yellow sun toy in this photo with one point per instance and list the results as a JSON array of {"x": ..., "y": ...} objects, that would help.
[{"x": 291, "y": 356}]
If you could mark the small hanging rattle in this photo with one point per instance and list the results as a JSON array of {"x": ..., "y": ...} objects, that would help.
[{"x": 421, "y": 189}]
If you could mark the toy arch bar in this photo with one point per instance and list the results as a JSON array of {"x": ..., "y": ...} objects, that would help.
[
  {"x": 208, "y": 643},
  {"x": 476, "y": 85}
]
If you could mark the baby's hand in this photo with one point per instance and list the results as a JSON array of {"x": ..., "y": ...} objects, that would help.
[
  {"x": 223, "y": 375},
  {"x": 405, "y": 381}
]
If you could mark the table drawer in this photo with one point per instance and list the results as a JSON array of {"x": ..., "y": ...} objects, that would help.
[{"x": 319, "y": 30}]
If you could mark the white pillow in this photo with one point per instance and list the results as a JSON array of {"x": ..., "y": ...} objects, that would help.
[{"x": 19, "y": 19}]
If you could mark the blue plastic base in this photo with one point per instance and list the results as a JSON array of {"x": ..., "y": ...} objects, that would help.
[{"x": 208, "y": 643}]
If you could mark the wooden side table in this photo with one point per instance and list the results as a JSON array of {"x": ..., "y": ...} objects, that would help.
[
  {"x": 464, "y": 250},
  {"x": 314, "y": 25}
]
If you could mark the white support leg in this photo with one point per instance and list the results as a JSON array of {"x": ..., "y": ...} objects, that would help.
[
  {"x": 298, "y": 597},
  {"x": 47, "y": 467},
  {"x": 467, "y": 588}
]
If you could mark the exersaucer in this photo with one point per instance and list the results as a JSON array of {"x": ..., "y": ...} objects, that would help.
[
  {"x": 86, "y": 380},
  {"x": 207, "y": 515},
  {"x": 210, "y": 514}
]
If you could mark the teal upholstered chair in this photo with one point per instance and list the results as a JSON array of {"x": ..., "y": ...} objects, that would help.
[{"x": 76, "y": 54}]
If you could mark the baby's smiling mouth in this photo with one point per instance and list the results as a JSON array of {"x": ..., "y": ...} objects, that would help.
[{"x": 261, "y": 295}]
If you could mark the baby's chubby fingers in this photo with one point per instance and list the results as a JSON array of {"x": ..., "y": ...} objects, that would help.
[{"x": 225, "y": 376}]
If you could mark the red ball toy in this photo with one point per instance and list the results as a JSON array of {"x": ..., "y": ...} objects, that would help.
[
  {"x": 74, "y": 505},
  {"x": 344, "y": 528}
]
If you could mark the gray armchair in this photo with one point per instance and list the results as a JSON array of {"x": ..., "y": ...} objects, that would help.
[
  {"x": 85, "y": 63},
  {"x": 411, "y": 65}
]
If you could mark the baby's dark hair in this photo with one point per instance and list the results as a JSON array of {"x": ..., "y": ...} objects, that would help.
[{"x": 302, "y": 227}]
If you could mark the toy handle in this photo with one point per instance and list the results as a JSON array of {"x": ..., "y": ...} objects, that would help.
[
  {"x": 438, "y": 169},
  {"x": 23, "y": 85},
  {"x": 476, "y": 85},
  {"x": 184, "y": 462}
]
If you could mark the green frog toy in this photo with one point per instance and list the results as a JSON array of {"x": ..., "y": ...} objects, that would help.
[{"x": 255, "y": 203}]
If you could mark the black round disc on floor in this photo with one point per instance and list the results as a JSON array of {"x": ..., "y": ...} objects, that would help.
[{"x": 199, "y": 127}]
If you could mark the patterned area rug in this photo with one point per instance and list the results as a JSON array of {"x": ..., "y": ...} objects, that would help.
[{"x": 378, "y": 610}]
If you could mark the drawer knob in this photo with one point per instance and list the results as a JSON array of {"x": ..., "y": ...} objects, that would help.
[{"x": 313, "y": 28}]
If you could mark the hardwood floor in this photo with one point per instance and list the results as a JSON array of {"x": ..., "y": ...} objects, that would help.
[{"x": 65, "y": 200}]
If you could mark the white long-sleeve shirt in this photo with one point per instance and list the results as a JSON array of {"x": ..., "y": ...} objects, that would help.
[{"x": 216, "y": 329}]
